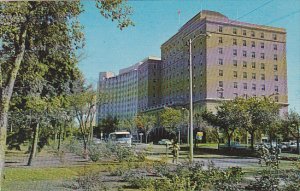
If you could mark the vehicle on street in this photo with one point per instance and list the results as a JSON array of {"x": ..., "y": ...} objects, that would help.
[
  {"x": 121, "y": 138},
  {"x": 164, "y": 142}
]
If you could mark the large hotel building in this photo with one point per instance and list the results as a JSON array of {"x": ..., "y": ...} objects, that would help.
[{"x": 229, "y": 59}]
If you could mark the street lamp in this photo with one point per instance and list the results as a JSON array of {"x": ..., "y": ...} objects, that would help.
[
  {"x": 183, "y": 121},
  {"x": 191, "y": 92}
]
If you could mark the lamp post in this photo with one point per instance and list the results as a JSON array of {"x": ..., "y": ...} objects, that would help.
[
  {"x": 183, "y": 121},
  {"x": 191, "y": 92}
]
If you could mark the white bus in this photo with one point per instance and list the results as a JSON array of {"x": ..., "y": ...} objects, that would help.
[{"x": 120, "y": 137}]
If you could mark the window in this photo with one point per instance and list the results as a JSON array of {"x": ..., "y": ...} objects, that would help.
[
  {"x": 275, "y": 46},
  {"x": 245, "y": 96},
  {"x": 244, "y": 74},
  {"x": 252, "y": 33},
  {"x": 235, "y": 63},
  {"x": 234, "y": 52},
  {"x": 262, "y": 45},
  {"x": 235, "y": 94},
  {"x": 244, "y": 32},
  {"x": 244, "y": 53},
  {"x": 276, "y": 89},
  {"x": 220, "y": 50},
  {"x": 220, "y": 61},
  {"x": 220, "y": 29},
  {"x": 220, "y": 94},
  {"x": 276, "y": 99},
  {"x": 262, "y": 77},
  {"x": 262, "y": 55},
  {"x": 234, "y": 31},
  {"x": 253, "y": 64},
  {"x": 274, "y": 36},
  {"x": 252, "y": 44},
  {"x": 245, "y": 86},
  {"x": 234, "y": 42},
  {"x": 263, "y": 87},
  {"x": 244, "y": 64},
  {"x": 253, "y": 76},
  {"x": 262, "y": 35},
  {"x": 235, "y": 74},
  {"x": 253, "y": 54},
  {"x": 275, "y": 67},
  {"x": 244, "y": 43},
  {"x": 276, "y": 77},
  {"x": 221, "y": 84},
  {"x": 220, "y": 40},
  {"x": 262, "y": 66},
  {"x": 253, "y": 86},
  {"x": 220, "y": 72},
  {"x": 275, "y": 57},
  {"x": 235, "y": 85}
]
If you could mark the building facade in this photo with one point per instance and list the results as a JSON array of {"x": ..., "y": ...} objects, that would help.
[
  {"x": 235, "y": 59},
  {"x": 132, "y": 90},
  {"x": 229, "y": 59}
]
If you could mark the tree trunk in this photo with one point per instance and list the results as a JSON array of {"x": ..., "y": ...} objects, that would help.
[
  {"x": 34, "y": 144},
  {"x": 147, "y": 138},
  {"x": 252, "y": 140},
  {"x": 85, "y": 150},
  {"x": 59, "y": 138},
  {"x": 5, "y": 95},
  {"x": 229, "y": 140},
  {"x": 3, "y": 125}
]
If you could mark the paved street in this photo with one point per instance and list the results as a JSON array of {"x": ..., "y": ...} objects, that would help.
[{"x": 158, "y": 151}]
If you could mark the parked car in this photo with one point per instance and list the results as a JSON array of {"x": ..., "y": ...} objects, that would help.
[{"x": 164, "y": 142}]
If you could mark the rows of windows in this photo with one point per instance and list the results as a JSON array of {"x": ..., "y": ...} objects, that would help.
[
  {"x": 245, "y": 75},
  {"x": 244, "y": 53},
  {"x": 245, "y": 86},
  {"x": 253, "y": 43},
  {"x": 245, "y": 64},
  {"x": 252, "y": 33}
]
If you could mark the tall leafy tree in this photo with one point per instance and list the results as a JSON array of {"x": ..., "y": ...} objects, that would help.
[
  {"x": 40, "y": 32},
  {"x": 291, "y": 124},
  {"x": 146, "y": 123},
  {"x": 170, "y": 119}
]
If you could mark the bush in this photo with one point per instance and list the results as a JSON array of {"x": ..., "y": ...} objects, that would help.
[{"x": 89, "y": 182}]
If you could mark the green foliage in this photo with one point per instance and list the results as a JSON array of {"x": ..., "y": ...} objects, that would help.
[
  {"x": 187, "y": 177},
  {"x": 170, "y": 119},
  {"x": 90, "y": 181},
  {"x": 116, "y": 10},
  {"x": 145, "y": 123},
  {"x": 107, "y": 125}
]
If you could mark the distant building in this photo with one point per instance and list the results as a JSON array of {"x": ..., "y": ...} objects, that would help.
[{"x": 132, "y": 90}]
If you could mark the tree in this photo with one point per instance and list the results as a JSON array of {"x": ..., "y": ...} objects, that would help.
[
  {"x": 42, "y": 30},
  {"x": 170, "y": 119},
  {"x": 146, "y": 123},
  {"x": 83, "y": 102},
  {"x": 128, "y": 124},
  {"x": 291, "y": 124},
  {"x": 227, "y": 118},
  {"x": 258, "y": 114}
]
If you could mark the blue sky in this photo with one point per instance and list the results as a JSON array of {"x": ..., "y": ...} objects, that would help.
[{"x": 109, "y": 49}]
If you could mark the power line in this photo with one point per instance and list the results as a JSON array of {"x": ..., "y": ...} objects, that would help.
[
  {"x": 252, "y": 11},
  {"x": 283, "y": 17}
]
